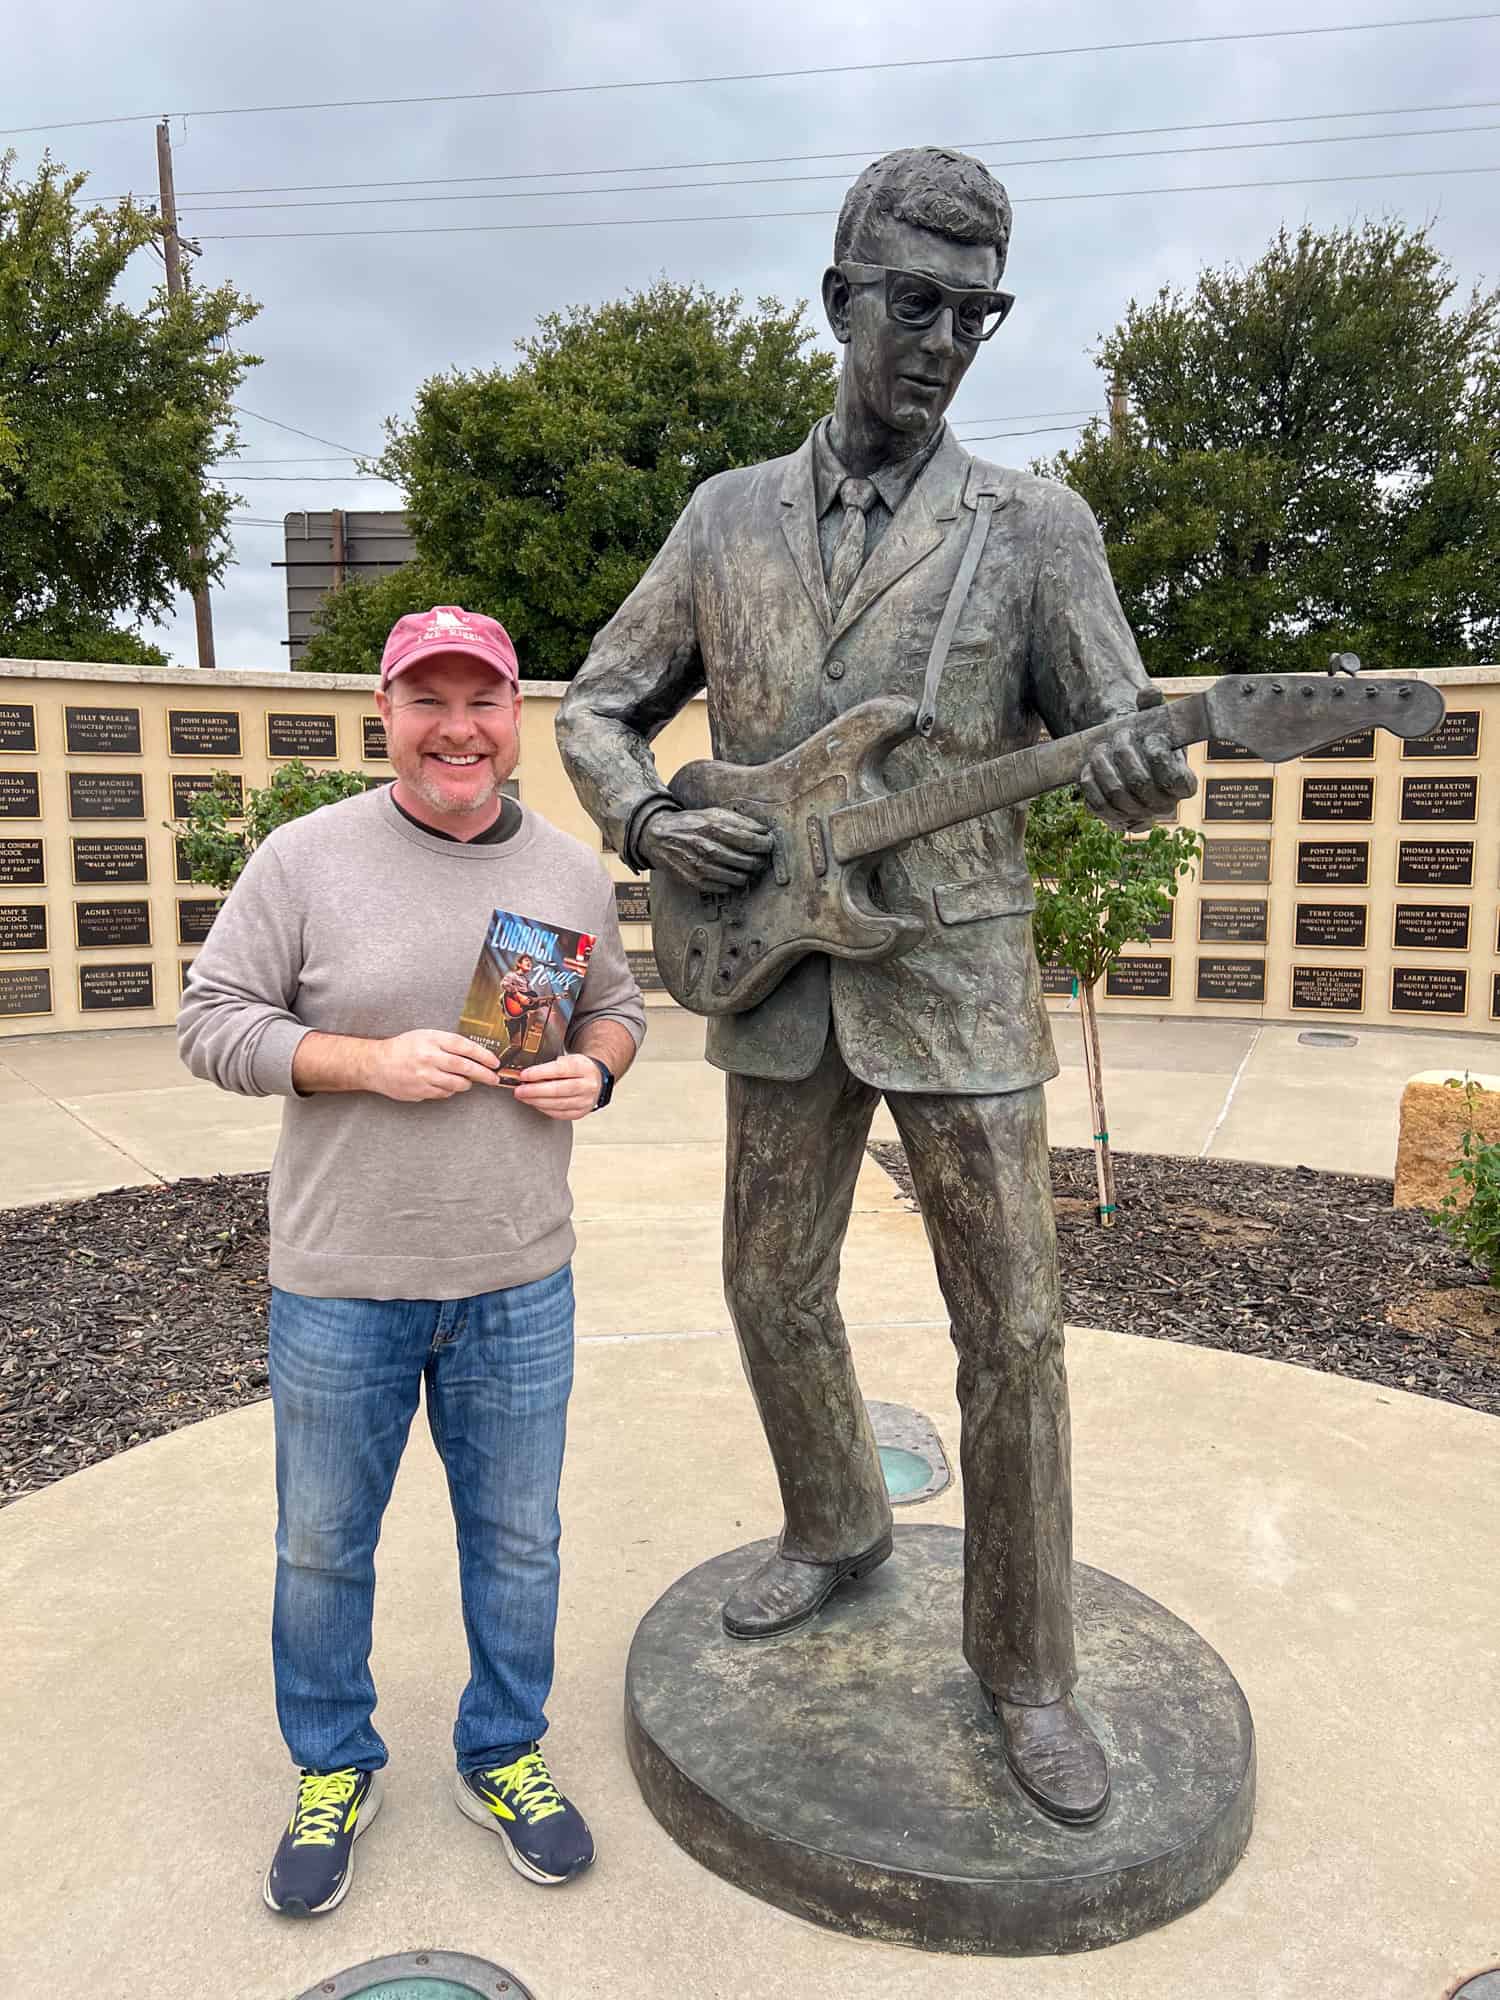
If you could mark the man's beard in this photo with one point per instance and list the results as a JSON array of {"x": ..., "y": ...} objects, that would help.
[{"x": 430, "y": 793}]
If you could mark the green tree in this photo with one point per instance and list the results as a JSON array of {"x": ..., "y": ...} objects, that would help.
[
  {"x": 543, "y": 492},
  {"x": 1098, "y": 890},
  {"x": 1311, "y": 459},
  {"x": 352, "y": 624},
  {"x": 110, "y": 417},
  {"x": 216, "y": 849}
]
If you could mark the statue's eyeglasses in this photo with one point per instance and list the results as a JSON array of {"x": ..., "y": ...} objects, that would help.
[{"x": 914, "y": 300}]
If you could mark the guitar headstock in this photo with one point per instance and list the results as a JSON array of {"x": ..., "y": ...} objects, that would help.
[{"x": 1277, "y": 716}]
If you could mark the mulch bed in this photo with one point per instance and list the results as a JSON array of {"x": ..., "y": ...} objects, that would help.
[{"x": 132, "y": 1313}]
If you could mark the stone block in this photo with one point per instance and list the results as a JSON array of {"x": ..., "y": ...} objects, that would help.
[{"x": 1435, "y": 1113}]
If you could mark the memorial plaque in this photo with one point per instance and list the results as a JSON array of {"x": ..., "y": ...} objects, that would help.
[
  {"x": 1495, "y": 996},
  {"x": 1333, "y": 926},
  {"x": 1328, "y": 989},
  {"x": 102, "y": 732},
  {"x": 181, "y": 872},
  {"x": 1429, "y": 989},
  {"x": 21, "y": 863},
  {"x": 643, "y": 965},
  {"x": 1338, "y": 798},
  {"x": 106, "y": 795},
  {"x": 1164, "y": 929},
  {"x": 190, "y": 785},
  {"x": 1241, "y": 979},
  {"x": 1449, "y": 862},
  {"x": 195, "y": 916},
  {"x": 111, "y": 926},
  {"x": 1346, "y": 861},
  {"x": 184, "y": 967},
  {"x": 20, "y": 795},
  {"x": 18, "y": 727},
  {"x": 25, "y": 989},
  {"x": 1236, "y": 861},
  {"x": 1219, "y": 750},
  {"x": 1430, "y": 927},
  {"x": 1239, "y": 798},
  {"x": 1440, "y": 798},
  {"x": 23, "y": 926},
  {"x": 1357, "y": 747},
  {"x": 1457, "y": 735},
  {"x": 293, "y": 734},
  {"x": 104, "y": 860},
  {"x": 375, "y": 747},
  {"x": 1139, "y": 979},
  {"x": 1222, "y": 921},
  {"x": 632, "y": 902},
  {"x": 112, "y": 989},
  {"x": 1057, "y": 982},
  {"x": 203, "y": 732}
]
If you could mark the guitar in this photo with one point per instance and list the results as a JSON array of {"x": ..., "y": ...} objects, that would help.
[{"x": 830, "y": 816}]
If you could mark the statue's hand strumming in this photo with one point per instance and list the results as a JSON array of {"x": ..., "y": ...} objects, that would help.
[{"x": 712, "y": 849}]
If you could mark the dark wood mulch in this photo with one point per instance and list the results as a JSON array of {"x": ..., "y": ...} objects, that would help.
[{"x": 127, "y": 1315}]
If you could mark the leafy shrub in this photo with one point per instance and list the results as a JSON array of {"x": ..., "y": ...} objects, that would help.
[
  {"x": 1473, "y": 1224},
  {"x": 217, "y": 851}
]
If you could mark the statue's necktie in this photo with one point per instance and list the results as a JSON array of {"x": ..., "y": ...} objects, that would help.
[{"x": 858, "y": 497}]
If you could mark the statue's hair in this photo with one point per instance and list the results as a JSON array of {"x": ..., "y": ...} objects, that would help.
[{"x": 949, "y": 193}]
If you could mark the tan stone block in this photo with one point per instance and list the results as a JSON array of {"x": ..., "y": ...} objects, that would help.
[{"x": 1435, "y": 1114}]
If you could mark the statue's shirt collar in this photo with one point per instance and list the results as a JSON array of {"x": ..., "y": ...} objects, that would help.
[{"x": 891, "y": 482}]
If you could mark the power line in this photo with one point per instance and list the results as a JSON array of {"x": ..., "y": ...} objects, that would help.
[
  {"x": 774, "y": 75},
  {"x": 344, "y": 450},
  {"x": 990, "y": 436},
  {"x": 795, "y": 214},
  {"x": 305, "y": 479},
  {"x": 794, "y": 180},
  {"x": 1028, "y": 416}
]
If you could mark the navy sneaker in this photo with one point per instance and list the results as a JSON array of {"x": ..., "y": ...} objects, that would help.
[
  {"x": 544, "y": 1833},
  {"x": 313, "y": 1865}
]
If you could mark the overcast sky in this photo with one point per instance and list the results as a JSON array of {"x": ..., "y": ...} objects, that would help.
[{"x": 351, "y": 325}]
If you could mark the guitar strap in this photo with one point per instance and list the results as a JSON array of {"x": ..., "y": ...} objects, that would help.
[{"x": 937, "y": 659}]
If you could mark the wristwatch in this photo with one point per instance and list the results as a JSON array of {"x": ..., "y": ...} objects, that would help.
[{"x": 606, "y": 1083}]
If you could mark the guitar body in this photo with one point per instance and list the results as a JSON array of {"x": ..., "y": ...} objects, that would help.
[{"x": 722, "y": 953}]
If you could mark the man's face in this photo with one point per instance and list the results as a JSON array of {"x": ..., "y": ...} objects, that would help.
[
  {"x": 907, "y": 376},
  {"x": 453, "y": 729}
]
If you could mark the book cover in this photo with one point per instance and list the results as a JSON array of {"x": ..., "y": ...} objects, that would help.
[{"x": 524, "y": 990}]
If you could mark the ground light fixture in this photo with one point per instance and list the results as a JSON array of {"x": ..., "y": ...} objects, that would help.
[
  {"x": 911, "y": 1453},
  {"x": 421, "y": 1975}
]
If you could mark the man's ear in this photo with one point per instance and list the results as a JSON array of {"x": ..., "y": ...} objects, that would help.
[{"x": 837, "y": 300}]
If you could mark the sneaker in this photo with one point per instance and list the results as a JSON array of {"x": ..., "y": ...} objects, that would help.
[
  {"x": 544, "y": 1833},
  {"x": 313, "y": 1866}
]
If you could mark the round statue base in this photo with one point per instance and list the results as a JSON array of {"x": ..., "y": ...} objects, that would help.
[{"x": 852, "y": 1773}]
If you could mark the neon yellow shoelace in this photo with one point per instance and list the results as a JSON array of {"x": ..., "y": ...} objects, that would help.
[
  {"x": 529, "y": 1782},
  {"x": 319, "y": 1811}
]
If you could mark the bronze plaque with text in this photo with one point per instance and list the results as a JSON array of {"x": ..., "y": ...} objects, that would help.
[
  {"x": 1344, "y": 861},
  {"x": 23, "y": 926},
  {"x": 1333, "y": 926},
  {"x": 1429, "y": 989},
  {"x": 1329, "y": 989},
  {"x": 111, "y": 926},
  {"x": 1448, "y": 862},
  {"x": 1239, "y": 798},
  {"x": 190, "y": 785},
  {"x": 643, "y": 965},
  {"x": 1495, "y": 996},
  {"x": 1139, "y": 979},
  {"x": 184, "y": 967},
  {"x": 1236, "y": 861},
  {"x": 111, "y": 989},
  {"x": 1057, "y": 982},
  {"x": 203, "y": 732},
  {"x": 1430, "y": 927},
  {"x": 104, "y": 860},
  {"x": 106, "y": 795},
  {"x": 1356, "y": 748},
  {"x": 1457, "y": 735},
  {"x": 1222, "y": 920},
  {"x": 1441, "y": 798},
  {"x": 195, "y": 916},
  {"x": 374, "y": 743},
  {"x": 1164, "y": 929},
  {"x": 20, "y": 795},
  {"x": 21, "y": 863},
  {"x": 292, "y": 734},
  {"x": 1242, "y": 979},
  {"x": 1338, "y": 798},
  {"x": 632, "y": 902},
  {"x": 25, "y": 989},
  {"x": 18, "y": 727},
  {"x": 180, "y": 869},
  {"x": 1219, "y": 750},
  {"x": 102, "y": 732}
]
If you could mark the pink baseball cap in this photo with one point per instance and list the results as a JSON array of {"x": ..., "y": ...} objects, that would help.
[{"x": 424, "y": 635}]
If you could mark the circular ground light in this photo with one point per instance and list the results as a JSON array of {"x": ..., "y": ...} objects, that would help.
[
  {"x": 1483, "y": 1986},
  {"x": 421, "y": 1975}
]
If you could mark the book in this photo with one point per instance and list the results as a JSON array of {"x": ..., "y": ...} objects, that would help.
[{"x": 524, "y": 990}]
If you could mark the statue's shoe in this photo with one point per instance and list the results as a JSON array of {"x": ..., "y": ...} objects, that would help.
[
  {"x": 784, "y": 1594},
  {"x": 1056, "y": 1759}
]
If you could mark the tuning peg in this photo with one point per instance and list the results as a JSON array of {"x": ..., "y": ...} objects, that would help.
[{"x": 1343, "y": 663}]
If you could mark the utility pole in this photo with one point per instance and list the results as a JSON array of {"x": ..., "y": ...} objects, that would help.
[
  {"x": 1119, "y": 412},
  {"x": 172, "y": 246}
]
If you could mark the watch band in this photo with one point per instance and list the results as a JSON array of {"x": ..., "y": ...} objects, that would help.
[{"x": 606, "y": 1083}]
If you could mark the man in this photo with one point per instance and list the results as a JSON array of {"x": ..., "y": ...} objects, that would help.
[
  {"x": 399, "y": 1256},
  {"x": 881, "y": 558}
]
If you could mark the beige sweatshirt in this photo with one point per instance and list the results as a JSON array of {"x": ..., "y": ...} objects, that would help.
[{"x": 356, "y": 922}]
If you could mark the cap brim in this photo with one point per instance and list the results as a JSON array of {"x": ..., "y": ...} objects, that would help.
[{"x": 420, "y": 656}]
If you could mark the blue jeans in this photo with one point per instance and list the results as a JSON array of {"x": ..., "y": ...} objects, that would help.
[{"x": 345, "y": 1377}]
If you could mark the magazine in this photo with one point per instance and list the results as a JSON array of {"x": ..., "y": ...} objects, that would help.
[{"x": 524, "y": 990}]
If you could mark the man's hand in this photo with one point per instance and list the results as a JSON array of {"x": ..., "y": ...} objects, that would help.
[
  {"x": 712, "y": 849},
  {"x": 1131, "y": 780},
  {"x": 567, "y": 1088},
  {"x": 428, "y": 1063}
]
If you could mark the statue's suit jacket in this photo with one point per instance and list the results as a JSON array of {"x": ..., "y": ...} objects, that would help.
[{"x": 737, "y": 602}]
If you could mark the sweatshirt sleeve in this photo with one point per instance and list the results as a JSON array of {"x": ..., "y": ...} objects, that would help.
[
  {"x": 610, "y": 992},
  {"x": 236, "y": 1026}
]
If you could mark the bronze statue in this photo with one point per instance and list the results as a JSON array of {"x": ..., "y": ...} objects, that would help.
[{"x": 881, "y": 559}]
